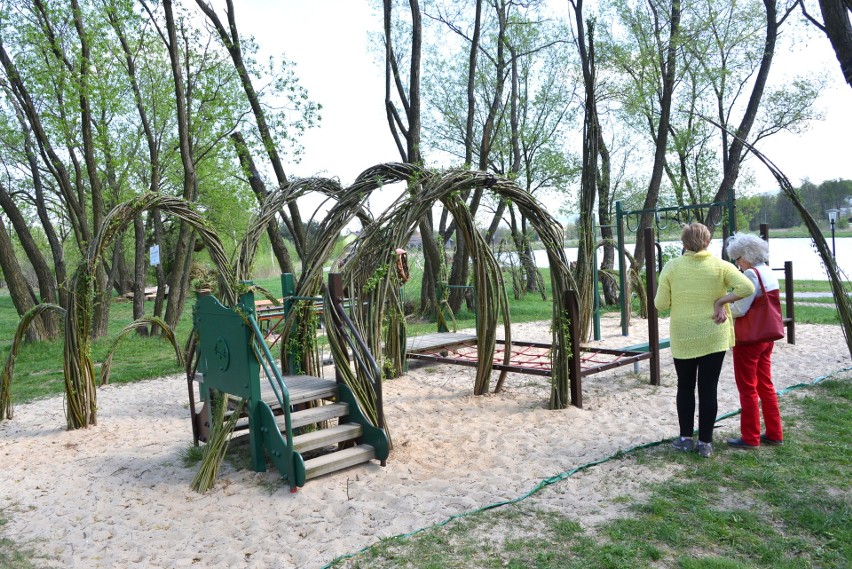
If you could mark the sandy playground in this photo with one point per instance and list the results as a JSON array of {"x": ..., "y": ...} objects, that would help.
[{"x": 117, "y": 495}]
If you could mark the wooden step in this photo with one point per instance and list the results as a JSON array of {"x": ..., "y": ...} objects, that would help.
[
  {"x": 302, "y": 388},
  {"x": 326, "y": 437},
  {"x": 314, "y": 415},
  {"x": 338, "y": 460}
]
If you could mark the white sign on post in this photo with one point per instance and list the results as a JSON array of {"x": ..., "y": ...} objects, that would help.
[{"x": 155, "y": 255}]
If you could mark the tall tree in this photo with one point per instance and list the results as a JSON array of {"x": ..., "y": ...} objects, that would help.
[
  {"x": 735, "y": 149},
  {"x": 589, "y": 181},
  {"x": 666, "y": 43},
  {"x": 404, "y": 124},
  {"x": 231, "y": 39},
  {"x": 519, "y": 95}
]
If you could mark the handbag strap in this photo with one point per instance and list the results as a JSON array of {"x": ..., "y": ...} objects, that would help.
[{"x": 759, "y": 280}]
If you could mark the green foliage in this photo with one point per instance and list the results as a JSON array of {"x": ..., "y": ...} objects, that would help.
[{"x": 779, "y": 213}]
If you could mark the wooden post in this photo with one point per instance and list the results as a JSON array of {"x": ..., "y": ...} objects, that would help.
[
  {"x": 788, "y": 301},
  {"x": 651, "y": 291},
  {"x": 290, "y": 353},
  {"x": 335, "y": 292}
]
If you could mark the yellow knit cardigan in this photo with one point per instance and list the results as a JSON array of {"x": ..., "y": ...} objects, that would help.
[{"x": 689, "y": 285}]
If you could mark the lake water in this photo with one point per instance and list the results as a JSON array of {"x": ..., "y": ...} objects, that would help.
[{"x": 807, "y": 264}]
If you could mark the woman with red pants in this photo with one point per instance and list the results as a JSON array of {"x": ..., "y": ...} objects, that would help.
[{"x": 753, "y": 362}]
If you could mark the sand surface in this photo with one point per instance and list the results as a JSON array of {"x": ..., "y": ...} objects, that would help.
[{"x": 118, "y": 495}]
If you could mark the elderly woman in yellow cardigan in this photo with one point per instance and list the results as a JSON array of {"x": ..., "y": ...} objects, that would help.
[{"x": 698, "y": 287}]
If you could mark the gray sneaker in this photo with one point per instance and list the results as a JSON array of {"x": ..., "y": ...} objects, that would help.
[
  {"x": 705, "y": 449},
  {"x": 684, "y": 444}
]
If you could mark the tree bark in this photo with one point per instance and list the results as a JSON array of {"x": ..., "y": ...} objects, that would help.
[
  {"x": 139, "y": 273},
  {"x": 836, "y": 16},
  {"x": 608, "y": 283},
  {"x": 20, "y": 291},
  {"x": 46, "y": 284},
  {"x": 735, "y": 152},
  {"x": 259, "y": 189}
]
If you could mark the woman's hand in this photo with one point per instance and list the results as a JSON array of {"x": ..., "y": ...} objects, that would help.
[{"x": 719, "y": 312}]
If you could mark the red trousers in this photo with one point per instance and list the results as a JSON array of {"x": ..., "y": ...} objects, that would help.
[{"x": 753, "y": 374}]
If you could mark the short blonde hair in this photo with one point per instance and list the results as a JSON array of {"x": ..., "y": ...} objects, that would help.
[{"x": 695, "y": 236}]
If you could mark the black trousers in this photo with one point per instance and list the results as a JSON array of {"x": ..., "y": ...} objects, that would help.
[{"x": 705, "y": 372}]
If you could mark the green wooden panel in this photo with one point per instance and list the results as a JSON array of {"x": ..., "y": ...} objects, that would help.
[{"x": 226, "y": 361}]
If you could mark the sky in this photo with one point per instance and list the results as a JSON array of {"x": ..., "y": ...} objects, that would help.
[{"x": 328, "y": 40}]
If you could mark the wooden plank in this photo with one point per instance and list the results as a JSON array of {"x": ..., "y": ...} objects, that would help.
[
  {"x": 326, "y": 437},
  {"x": 338, "y": 460},
  {"x": 302, "y": 388},
  {"x": 314, "y": 415},
  {"x": 437, "y": 340}
]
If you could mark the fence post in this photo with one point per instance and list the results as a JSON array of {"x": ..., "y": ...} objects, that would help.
[{"x": 788, "y": 302}]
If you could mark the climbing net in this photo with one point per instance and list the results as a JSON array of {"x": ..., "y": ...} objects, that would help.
[{"x": 530, "y": 358}]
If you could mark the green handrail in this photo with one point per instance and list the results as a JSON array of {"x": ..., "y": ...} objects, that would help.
[{"x": 282, "y": 394}]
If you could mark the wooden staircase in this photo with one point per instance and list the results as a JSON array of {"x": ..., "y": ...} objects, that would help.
[{"x": 305, "y": 426}]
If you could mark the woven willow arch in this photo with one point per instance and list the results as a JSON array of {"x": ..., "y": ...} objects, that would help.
[
  {"x": 369, "y": 279},
  {"x": 80, "y": 391}
]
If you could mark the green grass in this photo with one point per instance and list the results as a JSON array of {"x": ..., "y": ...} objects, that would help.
[
  {"x": 778, "y": 507},
  {"x": 39, "y": 371},
  {"x": 15, "y": 555}
]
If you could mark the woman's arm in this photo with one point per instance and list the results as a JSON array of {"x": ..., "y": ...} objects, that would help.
[
  {"x": 740, "y": 307},
  {"x": 663, "y": 298},
  {"x": 742, "y": 286}
]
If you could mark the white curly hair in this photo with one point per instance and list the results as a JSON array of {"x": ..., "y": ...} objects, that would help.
[{"x": 749, "y": 247}]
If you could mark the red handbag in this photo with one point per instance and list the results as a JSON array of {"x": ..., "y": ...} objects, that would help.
[{"x": 762, "y": 322}]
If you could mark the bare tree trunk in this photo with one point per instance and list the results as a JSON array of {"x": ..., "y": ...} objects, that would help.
[
  {"x": 406, "y": 133},
  {"x": 19, "y": 289},
  {"x": 461, "y": 268},
  {"x": 47, "y": 286},
  {"x": 836, "y": 16},
  {"x": 259, "y": 189},
  {"x": 162, "y": 283},
  {"x": 610, "y": 287},
  {"x": 139, "y": 273},
  {"x": 668, "y": 66},
  {"x": 153, "y": 186},
  {"x": 183, "y": 250}
]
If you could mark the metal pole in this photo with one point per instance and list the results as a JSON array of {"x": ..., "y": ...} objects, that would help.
[{"x": 833, "y": 251}]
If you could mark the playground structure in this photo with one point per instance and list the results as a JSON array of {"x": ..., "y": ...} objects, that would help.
[
  {"x": 533, "y": 358},
  {"x": 286, "y": 416},
  {"x": 225, "y": 367}
]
